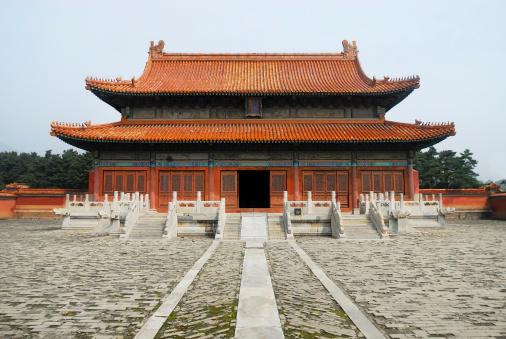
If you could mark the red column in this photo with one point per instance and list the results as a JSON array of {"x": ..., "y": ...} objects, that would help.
[
  {"x": 210, "y": 181},
  {"x": 411, "y": 183},
  {"x": 354, "y": 186},
  {"x": 296, "y": 181},
  {"x": 96, "y": 183},
  {"x": 152, "y": 187}
]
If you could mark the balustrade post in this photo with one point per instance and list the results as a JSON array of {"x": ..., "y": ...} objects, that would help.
[
  {"x": 333, "y": 196},
  {"x": 86, "y": 203},
  {"x": 440, "y": 201},
  {"x": 67, "y": 201},
  {"x": 146, "y": 199},
  {"x": 198, "y": 201},
  {"x": 392, "y": 200},
  {"x": 371, "y": 195},
  {"x": 401, "y": 201},
  {"x": 106, "y": 203},
  {"x": 285, "y": 197},
  {"x": 309, "y": 203},
  {"x": 115, "y": 201},
  {"x": 75, "y": 198},
  {"x": 421, "y": 202}
]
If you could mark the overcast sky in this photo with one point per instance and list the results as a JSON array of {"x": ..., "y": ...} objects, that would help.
[{"x": 457, "y": 47}]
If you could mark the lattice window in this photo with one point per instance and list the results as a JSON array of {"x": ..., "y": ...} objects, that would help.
[
  {"x": 388, "y": 182},
  {"x": 399, "y": 183},
  {"x": 119, "y": 183},
  {"x": 229, "y": 183},
  {"x": 319, "y": 180},
  {"x": 176, "y": 183},
  {"x": 331, "y": 182},
  {"x": 308, "y": 183},
  {"x": 278, "y": 183},
  {"x": 199, "y": 183},
  {"x": 141, "y": 183},
  {"x": 343, "y": 183},
  {"x": 376, "y": 182},
  {"x": 366, "y": 182},
  {"x": 108, "y": 183},
  {"x": 130, "y": 182},
  {"x": 164, "y": 183},
  {"x": 188, "y": 183}
]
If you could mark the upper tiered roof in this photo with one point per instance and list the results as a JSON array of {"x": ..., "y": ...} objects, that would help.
[{"x": 253, "y": 74}]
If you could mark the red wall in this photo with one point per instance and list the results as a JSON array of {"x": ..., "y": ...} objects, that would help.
[
  {"x": 498, "y": 206},
  {"x": 7, "y": 206}
]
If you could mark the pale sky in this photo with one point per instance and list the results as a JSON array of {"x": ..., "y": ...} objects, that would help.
[{"x": 457, "y": 47}]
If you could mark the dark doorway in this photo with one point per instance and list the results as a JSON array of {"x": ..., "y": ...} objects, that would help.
[{"x": 254, "y": 189}]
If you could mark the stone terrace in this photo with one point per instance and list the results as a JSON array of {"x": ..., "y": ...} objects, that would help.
[{"x": 62, "y": 284}]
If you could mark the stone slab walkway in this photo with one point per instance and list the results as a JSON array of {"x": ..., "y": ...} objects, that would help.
[
  {"x": 257, "y": 314},
  {"x": 441, "y": 284},
  {"x": 438, "y": 284}
]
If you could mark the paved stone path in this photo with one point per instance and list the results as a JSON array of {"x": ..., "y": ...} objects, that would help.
[
  {"x": 64, "y": 284},
  {"x": 209, "y": 307},
  {"x": 448, "y": 283},
  {"x": 307, "y": 308}
]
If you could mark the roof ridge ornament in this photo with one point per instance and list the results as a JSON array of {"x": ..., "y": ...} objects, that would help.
[
  {"x": 350, "y": 51},
  {"x": 156, "y": 51}
]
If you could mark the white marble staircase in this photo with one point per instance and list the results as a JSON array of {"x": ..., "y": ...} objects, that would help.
[
  {"x": 149, "y": 226},
  {"x": 359, "y": 226},
  {"x": 232, "y": 229},
  {"x": 275, "y": 224}
]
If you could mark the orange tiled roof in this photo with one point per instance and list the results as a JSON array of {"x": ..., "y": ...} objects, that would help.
[
  {"x": 259, "y": 131},
  {"x": 253, "y": 74}
]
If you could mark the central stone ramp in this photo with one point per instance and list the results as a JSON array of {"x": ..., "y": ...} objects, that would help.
[
  {"x": 257, "y": 313},
  {"x": 254, "y": 227},
  {"x": 149, "y": 226}
]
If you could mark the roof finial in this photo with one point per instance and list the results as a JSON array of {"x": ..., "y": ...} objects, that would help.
[
  {"x": 156, "y": 51},
  {"x": 349, "y": 51}
]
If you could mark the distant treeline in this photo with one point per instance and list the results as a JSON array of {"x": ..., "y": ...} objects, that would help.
[
  {"x": 68, "y": 170},
  {"x": 446, "y": 169}
]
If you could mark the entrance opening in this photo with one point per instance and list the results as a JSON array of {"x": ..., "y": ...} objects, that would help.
[{"x": 254, "y": 189}]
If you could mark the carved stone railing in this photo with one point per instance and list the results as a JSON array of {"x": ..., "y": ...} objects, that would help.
[
  {"x": 197, "y": 210},
  {"x": 170, "y": 229},
  {"x": 377, "y": 220},
  {"x": 336, "y": 220},
  {"x": 287, "y": 222},
  {"x": 131, "y": 217},
  {"x": 428, "y": 207},
  {"x": 222, "y": 218}
]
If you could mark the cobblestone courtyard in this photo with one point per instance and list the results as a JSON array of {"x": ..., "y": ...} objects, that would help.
[{"x": 62, "y": 284}]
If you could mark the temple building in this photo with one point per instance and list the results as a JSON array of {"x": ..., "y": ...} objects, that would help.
[{"x": 247, "y": 127}]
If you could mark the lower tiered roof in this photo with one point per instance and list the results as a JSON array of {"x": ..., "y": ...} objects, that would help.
[{"x": 251, "y": 131}]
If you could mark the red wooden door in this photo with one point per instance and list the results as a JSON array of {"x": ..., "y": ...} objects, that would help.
[
  {"x": 229, "y": 189},
  {"x": 278, "y": 186}
]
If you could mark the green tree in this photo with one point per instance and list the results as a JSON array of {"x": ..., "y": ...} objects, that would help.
[
  {"x": 446, "y": 169},
  {"x": 69, "y": 170}
]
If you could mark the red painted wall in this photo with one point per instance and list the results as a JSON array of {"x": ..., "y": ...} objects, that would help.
[
  {"x": 498, "y": 206},
  {"x": 464, "y": 199},
  {"x": 7, "y": 206}
]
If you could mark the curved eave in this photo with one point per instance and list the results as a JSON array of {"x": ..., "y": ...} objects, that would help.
[
  {"x": 82, "y": 143},
  {"x": 408, "y": 89}
]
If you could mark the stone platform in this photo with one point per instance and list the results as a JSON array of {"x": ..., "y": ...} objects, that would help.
[{"x": 436, "y": 284}]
